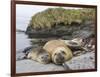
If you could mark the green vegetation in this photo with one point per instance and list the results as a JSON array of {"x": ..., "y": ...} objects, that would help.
[{"x": 55, "y": 16}]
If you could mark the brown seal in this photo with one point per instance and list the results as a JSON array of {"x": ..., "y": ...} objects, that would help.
[
  {"x": 39, "y": 55},
  {"x": 58, "y": 51}
]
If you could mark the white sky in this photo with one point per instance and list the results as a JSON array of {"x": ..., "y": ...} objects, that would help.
[
  {"x": 25, "y": 12},
  {"x": 29, "y": 10}
]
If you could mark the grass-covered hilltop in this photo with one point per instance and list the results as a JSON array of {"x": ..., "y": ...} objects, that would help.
[{"x": 54, "y": 18}]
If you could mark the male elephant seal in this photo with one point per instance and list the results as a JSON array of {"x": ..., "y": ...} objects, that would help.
[
  {"x": 39, "y": 55},
  {"x": 58, "y": 51}
]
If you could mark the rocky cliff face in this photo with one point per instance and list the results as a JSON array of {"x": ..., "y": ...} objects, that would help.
[
  {"x": 62, "y": 23},
  {"x": 65, "y": 32}
]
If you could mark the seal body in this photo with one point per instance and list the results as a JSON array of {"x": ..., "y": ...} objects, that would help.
[
  {"x": 58, "y": 51},
  {"x": 39, "y": 55}
]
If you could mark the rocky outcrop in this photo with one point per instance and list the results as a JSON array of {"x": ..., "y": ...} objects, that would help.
[
  {"x": 60, "y": 22},
  {"x": 85, "y": 61},
  {"x": 33, "y": 66},
  {"x": 64, "y": 32}
]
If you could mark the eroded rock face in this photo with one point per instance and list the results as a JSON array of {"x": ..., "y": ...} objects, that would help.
[
  {"x": 65, "y": 32},
  {"x": 60, "y": 22}
]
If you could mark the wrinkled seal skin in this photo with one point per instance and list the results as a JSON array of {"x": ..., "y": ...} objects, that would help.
[
  {"x": 58, "y": 51},
  {"x": 39, "y": 55}
]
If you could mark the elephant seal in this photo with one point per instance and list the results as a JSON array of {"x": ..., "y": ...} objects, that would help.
[
  {"x": 58, "y": 51},
  {"x": 39, "y": 55}
]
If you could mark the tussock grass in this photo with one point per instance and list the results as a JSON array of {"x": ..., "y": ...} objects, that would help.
[{"x": 55, "y": 16}]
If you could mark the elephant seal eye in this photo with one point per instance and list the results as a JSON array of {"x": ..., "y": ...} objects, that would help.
[{"x": 63, "y": 52}]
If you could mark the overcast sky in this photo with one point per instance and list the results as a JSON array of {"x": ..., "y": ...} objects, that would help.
[
  {"x": 25, "y": 12},
  {"x": 29, "y": 10}
]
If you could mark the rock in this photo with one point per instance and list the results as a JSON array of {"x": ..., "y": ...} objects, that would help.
[
  {"x": 85, "y": 61},
  {"x": 78, "y": 53},
  {"x": 20, "y": 56},
  {"x": 26, "y": 65},
  {"x": 73, "y": 45},
  {"x": 65, "y": 31},
  {"x": 20, "y": 31},
  {"x": 39, "y": 42},
  {"x": 59, "y": 22}
]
